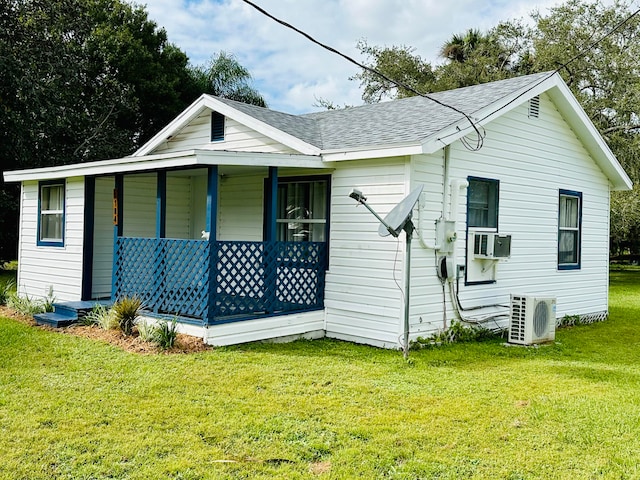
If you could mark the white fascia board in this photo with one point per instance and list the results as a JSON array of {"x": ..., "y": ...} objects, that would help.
[
  {"x": 252, "y": 159},
  {"x": 104, "y": 167},
  {"x": 261, "y": 127},
  {"x": 462, "y": 128},
  {"x": 568, "y": 106},
  {"x": 177, "y": 124},
  {"x": 187, "y": 158},
  {"x": 368, "y": 153}
]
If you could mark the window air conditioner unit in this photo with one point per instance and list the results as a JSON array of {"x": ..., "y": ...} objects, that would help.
[
  {"x": 532, "y": 320},
  {"x": 487, "y": 245}
]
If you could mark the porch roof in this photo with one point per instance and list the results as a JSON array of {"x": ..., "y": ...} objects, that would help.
[{"x": 183, "y": 159}]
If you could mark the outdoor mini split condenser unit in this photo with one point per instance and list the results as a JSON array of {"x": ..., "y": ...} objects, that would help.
[{"x": 532, "y": 320}]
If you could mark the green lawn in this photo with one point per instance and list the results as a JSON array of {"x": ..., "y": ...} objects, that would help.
[{"x": 73, "y": 408}]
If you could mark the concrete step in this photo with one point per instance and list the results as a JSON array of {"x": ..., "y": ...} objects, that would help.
[{"x": 67, "y": 313}]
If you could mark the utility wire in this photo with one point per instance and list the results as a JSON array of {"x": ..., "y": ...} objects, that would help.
[{"x": 480, "y": 136}]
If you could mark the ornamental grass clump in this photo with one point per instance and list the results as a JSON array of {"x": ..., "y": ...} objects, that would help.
[
  {"x": 101, "y": 316},
  {"x": 166, "y": 334},
  {"x": 126, "y": 310},
  {"x": 25, "y": 305},
  {"x": 147, "y": 331}
]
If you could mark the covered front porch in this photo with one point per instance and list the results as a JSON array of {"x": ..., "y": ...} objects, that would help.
[
  {"x": 215, "y": 244},
  {"x": 220, "y": 281}
]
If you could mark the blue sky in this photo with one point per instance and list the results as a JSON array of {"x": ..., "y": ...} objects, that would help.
[{"x": 292, "y": 72}]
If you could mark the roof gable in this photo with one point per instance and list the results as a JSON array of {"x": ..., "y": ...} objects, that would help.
[{"x": 257, "y": 118}]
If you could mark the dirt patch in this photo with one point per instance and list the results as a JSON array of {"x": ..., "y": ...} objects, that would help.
[{"x": 130, "y": 343}]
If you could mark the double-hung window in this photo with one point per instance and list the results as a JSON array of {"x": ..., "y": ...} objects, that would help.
[
  {"x": 482, "y": 203},
  {"x": 51, "y": 213},
  {"x": 302, "y": 210},
  {"x": 569, "y": 230}
]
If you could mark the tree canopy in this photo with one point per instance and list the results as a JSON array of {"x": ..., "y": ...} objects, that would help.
[
  {"x": 84, "y": 80},
  {"x": 596, "y": 49}
]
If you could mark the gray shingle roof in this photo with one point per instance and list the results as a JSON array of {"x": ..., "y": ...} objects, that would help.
[{"x": 408, "y": 120}]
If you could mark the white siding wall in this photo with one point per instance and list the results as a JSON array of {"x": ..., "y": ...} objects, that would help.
[
  {"x": 426, "y": 304},
  {"x": 103, "y": 238},
  {"x": 179, "y": 200},
  {"x": 60, "y": 267},
  {"x": 237, "y": 137},
  {"x": 139, "y": 209},
  {"x": 362, "y": 300},
  {"x": 240, "y": 207},
  {"x": 533, "y": 159}
]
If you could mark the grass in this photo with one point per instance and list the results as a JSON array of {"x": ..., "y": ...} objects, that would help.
[{"x": 73, "y": 408}]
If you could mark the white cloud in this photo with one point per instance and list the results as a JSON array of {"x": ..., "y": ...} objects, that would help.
[{"x": 291, "y": 71}]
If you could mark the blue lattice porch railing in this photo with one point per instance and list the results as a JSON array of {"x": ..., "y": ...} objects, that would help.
[{"x": 251, "y": 279}]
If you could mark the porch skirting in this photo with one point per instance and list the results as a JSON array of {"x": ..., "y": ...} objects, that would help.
[{"x": 288, "y": 327}]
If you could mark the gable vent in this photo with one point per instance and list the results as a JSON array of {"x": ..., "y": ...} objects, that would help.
[
  {"x": 534, "y": 107},
  {"x": 217, "y": 127}
]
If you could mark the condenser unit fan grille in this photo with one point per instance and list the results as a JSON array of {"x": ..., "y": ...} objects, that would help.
[{"x": 541, "y": 318}]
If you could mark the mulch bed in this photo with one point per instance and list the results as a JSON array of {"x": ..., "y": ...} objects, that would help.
[{"x": 130, "y": 343}]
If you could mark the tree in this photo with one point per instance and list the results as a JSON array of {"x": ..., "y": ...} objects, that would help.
[
  {"x": 398, "y": 63},
  {"x": 84, "y": 80},
  {"x": 470, "y": 58},
  {"x": 605, "y": 79},
  {"x": 225, "y": 77}
]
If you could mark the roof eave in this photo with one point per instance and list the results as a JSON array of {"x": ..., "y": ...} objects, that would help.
[
  {"x": 384, "y": 151},
  {"x": 184, "y": 159}
]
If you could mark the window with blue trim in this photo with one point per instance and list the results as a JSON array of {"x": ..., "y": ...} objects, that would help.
[
  {"x": 569, "y": 229},
  {"x": 51, "y": 207},
  {"x": 482, "y": 203},
  {"x": 302, "y": 210}
]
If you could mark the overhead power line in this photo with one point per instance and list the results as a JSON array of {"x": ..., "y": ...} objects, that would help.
[
  {"x": 480, "y": 136},
  {"x": 397, "y": 83}
]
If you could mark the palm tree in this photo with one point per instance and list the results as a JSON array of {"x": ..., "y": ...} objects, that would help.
[
  {"x": 225, "y": 77},
  {"x": 460, "y": 47}
]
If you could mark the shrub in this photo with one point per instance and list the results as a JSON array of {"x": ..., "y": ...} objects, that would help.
[
  {"x": 570, "y": 321},
  {"x": 166, "y": 334},
  {"x": 457, "y": 332},
  {"x": 126, "y": 310},
  {"x": 12, "y": 265},
  {"x": 6, "y": 290}
]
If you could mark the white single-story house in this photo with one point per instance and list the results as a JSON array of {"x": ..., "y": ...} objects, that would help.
[{"x": 238, "y": 219}]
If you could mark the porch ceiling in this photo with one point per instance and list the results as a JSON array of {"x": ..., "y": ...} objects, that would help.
[{"x": 184, "y": 159}]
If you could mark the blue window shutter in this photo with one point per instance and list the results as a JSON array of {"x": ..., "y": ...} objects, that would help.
[{"x": 217, "y": 127}]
